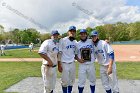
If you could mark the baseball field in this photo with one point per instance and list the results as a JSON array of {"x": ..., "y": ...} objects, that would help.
[
  {"x": 11, "y": 72},
  {"x": 124, "y": 53}
]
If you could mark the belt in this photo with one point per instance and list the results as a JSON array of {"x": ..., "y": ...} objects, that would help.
[
  {"x": 52, "y": 66},
  {"x": 67, "y": 63}
]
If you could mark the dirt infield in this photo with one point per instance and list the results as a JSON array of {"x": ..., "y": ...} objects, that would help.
[
  {"x": 124, "y": 53},
  {"x": 20, "y": 59}
]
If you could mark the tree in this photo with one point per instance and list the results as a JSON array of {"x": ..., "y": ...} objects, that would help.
[
  {"x": 33, "y": 34},
  {"x": 89, "y": 30},
  {"x": 1, "y": 37},
  {"x": 1, "y": 29},
  {"x": 122, "y": 34},
  {"x": 15, "y": 36},
  {"x": 25, "y": 38},
  {"x": 45, "y": 36},
  {"x": 115, "y": 32},
  {"x": 64, "y": 35},
  {"x": 134, "y": 31},
  {"x": 101, "y": 31}
]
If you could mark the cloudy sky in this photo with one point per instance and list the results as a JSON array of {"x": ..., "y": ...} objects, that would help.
[{"x": 45, "y": 15}]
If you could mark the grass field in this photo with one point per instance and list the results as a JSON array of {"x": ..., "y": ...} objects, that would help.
[
  {"x": 13, "y": 72},
  {"x": 20, "y": 53}
]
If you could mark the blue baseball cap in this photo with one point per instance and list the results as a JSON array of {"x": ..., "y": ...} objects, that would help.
[
  {"x": 83, "y": 31},
  {"x": 72, "y": 28},
  {"x": 94, "y": 33},
  {"x": 54, "y": 32}
]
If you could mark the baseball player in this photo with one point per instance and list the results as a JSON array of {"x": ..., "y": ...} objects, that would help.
[
  {"x": 67, "y": 50},
  {"x": 86, "y": 67},
  {"x": 31, "y": 46},
  {"x": 105, "y": 56},
  {"x": 2, "y": 50},
  {"x": 49, "y": 51}
]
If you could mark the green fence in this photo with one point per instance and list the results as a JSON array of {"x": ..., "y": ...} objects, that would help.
[{"x": 127, "y": 42}]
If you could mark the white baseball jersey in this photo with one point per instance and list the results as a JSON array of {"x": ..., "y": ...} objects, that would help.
[
  {"x": 2, "y": 47},
  {"x": 51, "y": 49},
  {"x": 67, "y": 48},
  {"x": 86, "y": 44},
  {"x": 102, "y": 51},
  {"x": 31, "y": 46}
]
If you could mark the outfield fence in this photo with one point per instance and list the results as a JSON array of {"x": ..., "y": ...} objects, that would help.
[{"x": 127, "y": 42}]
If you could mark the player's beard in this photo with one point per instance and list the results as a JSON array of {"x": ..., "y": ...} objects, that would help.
[{"x": 71, "y": 38}]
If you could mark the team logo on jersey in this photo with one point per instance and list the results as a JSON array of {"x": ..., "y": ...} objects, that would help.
[
  {"x": 99, "y": 51},
  {"x": 55, "y": 49},
  {"x": 87, "y": 46},
  {"x": 70, "y": 46}
]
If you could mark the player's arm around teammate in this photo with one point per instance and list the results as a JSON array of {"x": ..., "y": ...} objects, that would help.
[
  {"x": 86, "y": 67},
  {"x": 105, "y": 56},
  {"x": 48, "y": 51},
  {"x": 67, "y": 65}
]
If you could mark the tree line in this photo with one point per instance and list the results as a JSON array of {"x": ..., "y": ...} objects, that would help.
[
  {"x": 25, "y": 36},
  {"x": 115, "y": 32}
]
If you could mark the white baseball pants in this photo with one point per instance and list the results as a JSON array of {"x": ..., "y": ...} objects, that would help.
[
  {"x": 68, "y": 74},
  {"x": 109, "y": 81},
  {"x": 86, "y": 71},
  {"x": 49, "y": 75}
]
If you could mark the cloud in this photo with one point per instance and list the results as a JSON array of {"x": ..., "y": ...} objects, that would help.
[{"x": 53, "y": 14}]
